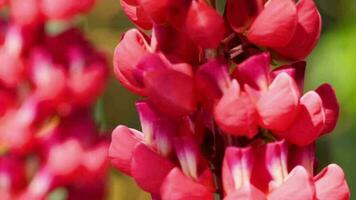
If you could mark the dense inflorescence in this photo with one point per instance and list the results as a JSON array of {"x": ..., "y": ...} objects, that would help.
[
  {"x": 221, "y": 118},
  {"x": 49, "y": 81}
]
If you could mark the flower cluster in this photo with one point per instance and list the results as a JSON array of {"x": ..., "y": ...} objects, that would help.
[
  {"x": 48, "y": 84},
  {"x": 220, "y": 119}
]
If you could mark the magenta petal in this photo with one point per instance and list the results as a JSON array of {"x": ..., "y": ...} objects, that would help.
[
  {"x": 254, "y": 71},
  {"x": 236, "y": 114},
  {"x": 331, "y": 184},
  {"x": 331, "y": 107},
  {"x": 177, "y": 186},
  {"x": 277, "y": 107},
  {"x": 296, "y": 71},
  {"x": 307, "y": 33},
  {"x": 128, "y": 53},
  {"x": 136, "y": 13},
  {"x": 275, "y": 25},
  {"x": 204, "y": 25},
  {"x": 122, "y": 145},
  {"x": 170, "y": 91},
  {"x": 149, "y": 169},
  {"x": 241, "y": 13},
  {"x": 309, "y": 121},
  {"x": 298, "y": 185}
]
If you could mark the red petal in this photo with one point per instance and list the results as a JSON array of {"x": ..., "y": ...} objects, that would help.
[
  {"x": 254, "y": 71},
  {"x": 307, "y": 33},
  {"x": 241, "y": 13},
  {"x": 136, "y": 13},
  {"x": 277, "y": 107},
  {"x": 331, "y": 184},
  {"x": 175, "y": 45},
  {"x": 331, "y": 107},
  {"x": 299, "y": 185},
  {"x": 128, "y": 53},
  {"x": 236, "y": 114},
  {"x": 177, "y": 186},
  {"x": 204, "y": 25},
  {"x": 123, "y": 143},
  {"x": 171, "y": 91},
  {"x": 275, "y": 25},
  {"x": 156, "y": 10},
  {"x": 309, "y": 122},
  {"x": 149, "y": 169}
]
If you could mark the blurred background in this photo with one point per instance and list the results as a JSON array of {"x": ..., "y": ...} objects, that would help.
[{"x": 333, "y": 61}]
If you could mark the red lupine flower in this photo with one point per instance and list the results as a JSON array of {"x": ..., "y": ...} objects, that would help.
[
  {"x": 144, "y": 73},
  {"x": 292, "y": 31},
  {"x": 296, "y": 183},
  {"x": 266, "y": 99},
  {"x": 253, "y": 130},
  {"x": 195, "y": 18}
]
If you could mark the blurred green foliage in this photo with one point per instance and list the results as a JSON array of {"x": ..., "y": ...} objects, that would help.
[{"x": 333, "y": 61}]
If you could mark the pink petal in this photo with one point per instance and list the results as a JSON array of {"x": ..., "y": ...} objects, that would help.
[
  {"x": 303, "y": 156},
  {"x": 296, "y": 71},
  {"x": 298, "y": 185},
  {"x": 247, "y": 193},
  {"x": 237, "y": 169},
  {"x": 307, "y": 33},
  {"x": 136, "y": 13},
  {"x": 276, "y": 161},
  {"x": 87, "y": 84},
  {"x": 155, "y": 126},
  {"x": 122, "y": 145},
  {"x": 236, "y": 114},
  {"x": 331, "y": 107},
  {"x": 277, "y": 107},
  {"x": 128, "y": 53},
  {"x": 149, "y": 169},
  {"x": 212, "y": 79},
  {"x": 95, "y": 160},
  {"x": 241, "y": 13},
  {"x": 188, "y": 155},
  {"x": 331, "y": 184},
  {"x": 64, "y": 9},
  {"x": 309, "y": 121},
  {"x": 25, "y": 12},
  {"x": 177, "y": 186},
  {"x": 204, "y": 25},
  {"x": 275, "y": 25},
  {"x": 254, "y": 71},
  {"x": 170, "y": 91},
  {"x": 65, "y": 158}
]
